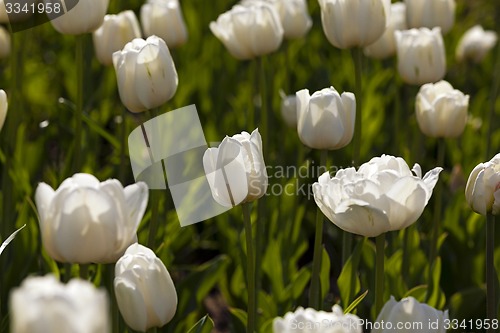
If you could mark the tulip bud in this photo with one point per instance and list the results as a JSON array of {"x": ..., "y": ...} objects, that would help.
[
  {"x": 418, "y": 317},
  {"x": 249, "y": 31},
  {"x": 352, "y": 23},
  {"x": 421, "y": 55},
  {"x": 43, "y": 304},
  {"x": 475, "y": 44},
  {"x": 307, "y": 320},
  {"x": 4, "y": 43},
  {"x": 430, "y": 14},
  {"x": 163, "y": 18},
  {"x": 325, "y": 119},
  {"x": 385, "y": 46},
  {"x": 382, "y": 195},
  {"x": 85, "y": 221},
  {"x": 482, "y": 191},
  {"x": 146, "y": 74},
  {"x": 4, "y": 106},
  {"x": 114, "y": 33},
  {"x": 441, "y": 110},
  {"x": 144, "y": 290},
  {"x": 294, "y": 17},
  {"x": 289, "y": 110},
  {"x": 86, "y": 16},
  {"x": 236, "y": 171}
]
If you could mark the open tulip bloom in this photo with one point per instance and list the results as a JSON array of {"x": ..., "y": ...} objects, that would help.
[
  {"x": 86, "y": 221},
  {"x": 382, "y": 195}
]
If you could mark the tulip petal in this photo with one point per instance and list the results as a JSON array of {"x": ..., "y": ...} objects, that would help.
[
  {"x": 361, "y": 220},
  {"x": 131, "y": 304},
  {"x": 43, "y": 199}
]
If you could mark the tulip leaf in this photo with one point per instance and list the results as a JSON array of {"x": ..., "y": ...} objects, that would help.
[
  {"x": 435, "y": 296},
  {"x": 238, "y": 320},
  {"x": 418, "y": 293},
  {"x": 204, "y": 325},
  {"x": 299, "y": 283},
  {"x": 355, "y": 303},
  {"x": 9, "y": 239},
  {"x": 324, "y": 274},
  {"x": 348, "y": 281}
]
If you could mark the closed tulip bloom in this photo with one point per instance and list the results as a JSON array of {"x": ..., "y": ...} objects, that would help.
[
  {"x": 312, "y": 321},
  {"x": 236, "y": 171},
  {"x": 410, "y": 313},
  {"x": 421, "y": 55},
  {"x": 114, "y": 33},
  {"x": 482, "y": 191},
  {"x": 87, "y": 221},
  {"x": 85, "y": 17},
  {"x": 385, "y": 46},
  {"x": 325, "y": 119},
  {"x": 249, "y": 31},
  {"x": 441, "y": 110},
  {"x": 144, "y": 290},
  {"x": 430, "y": 14},
  {"x": 164, "y": 19},
  {"x": 4, "y": 106},
  {"x": 353, "y": 23},
  {"x": 43, "y": 304},
  {"x": 475, "y": 44},
  {"x": 4, "y": 43},
  {"x": 294, "y": 17},
  {"x": 289, "y": 110},
  {"x": 382, "y": 195},
  {"x": 146, "y": 74}
]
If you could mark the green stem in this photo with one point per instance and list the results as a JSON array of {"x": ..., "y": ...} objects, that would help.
[
  {"x": 379, "y": 272},
  {"x": 438, "y": 194},
  {"x": 405, "y": 265},
  {"x": 252, "y": 296},
  {"x": 250, "y": 115},
  {"x": 153, "y": 224},
  {"x": 152, "y": 330},
  {"x": 493, "y": 99},
  {"x": 264, "y": 114},
  {"x": 109, "y": 270},
  {"x": 315, "y": 300},
  {"x": 80, "y": 41},
  {"x": 490, "y": 269},
  {"x": 356, "y": 54},
  {"x": 123, "y": 146}
]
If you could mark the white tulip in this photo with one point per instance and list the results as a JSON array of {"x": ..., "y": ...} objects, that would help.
[
  {"x": 4, "y": 106},
  {"x": 236, "y": 171},
  {"x": 412, "y": 314},
  {"x": 352, "y": 23},
  {"x": 385, "y": 46},
  {"x": 325, "y": 119},
  {"x": 294, "y": 17},
  {"x": 249, "y": 31},
  {"x": 164, "y": 19},
  {"x": 144, "y": 290},
  {"x": 86, "y": 16},
  {"x": 482, "y": 191},
  {"x": 421, "y": 55},
  {"x": 441, "y": 110},
  {"x": 146, "y": 74},
  {"x": 43, "y": 304},
  {"x": 289, "y": 110},
  {"x": 382, "y": 195},
  {"x": 430, "y": 14},
  {"x": 313, "y": 321},
  {"x": 4, "y": 43},
  {"x": 85, "y": 221},
  {"x": 475, "y": 44},
  {"x": 114, "y": 33}
]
